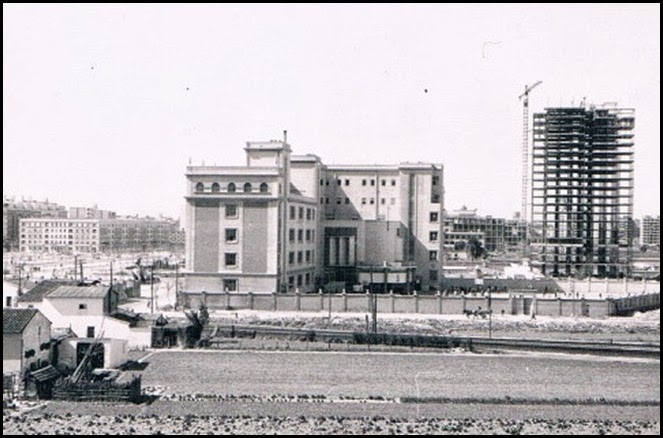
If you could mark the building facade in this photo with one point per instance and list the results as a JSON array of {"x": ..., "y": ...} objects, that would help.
[
  {"x": 291, "y": 223},
  {"x": 650, "y": 231},
  {"x": 582, "y": 190},
  {"x": 14, "y": 210},
  {"x": 98, "y": 235},
  {"x": 26, "y": 337}
]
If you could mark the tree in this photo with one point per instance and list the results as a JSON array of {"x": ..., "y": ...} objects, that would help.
[{"x": 475, "y": 248}]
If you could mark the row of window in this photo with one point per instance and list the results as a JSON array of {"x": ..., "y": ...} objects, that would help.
[
  {"x": 310, "y": 257},
  {"x": 310, "y": 213},
  {"x": 302, "y": 280},
  {"x": 232, "y": 187},
  {"x": 364, "y": 182},
  {"x": 310, "y": 235},
  {"x": 58, "y": 224}
]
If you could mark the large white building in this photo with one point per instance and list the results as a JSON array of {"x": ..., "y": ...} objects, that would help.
[{"x": 289, "y": 222}]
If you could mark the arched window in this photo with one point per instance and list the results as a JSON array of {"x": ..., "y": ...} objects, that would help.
[
  {"x": 231, "y": 188},
  {"x": 216, "y": 187},
  {"x": 264, "y": 188},
  {"x": 247, "y": 188},
  {"x": 200, "y": 187}
]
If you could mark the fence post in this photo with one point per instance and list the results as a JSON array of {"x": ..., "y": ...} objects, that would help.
[
  {"x": 251, "y": 300},
  {"x": 439, "y": 302},
  {"x": 298, "y": 300},
  {"x": 274, "y": 295},
  {"x": 345, "y": 300},
  {"x": 416, "y": 302}
]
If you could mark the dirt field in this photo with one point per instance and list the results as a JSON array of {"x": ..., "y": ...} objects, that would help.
[{"x": 221, "y": 392}]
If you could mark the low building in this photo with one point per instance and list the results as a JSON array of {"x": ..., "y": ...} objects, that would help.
[
  {"x": 26, "y": 339},
  {"x": 110, "y": 353},
  {"x": 88, "y": 311}
]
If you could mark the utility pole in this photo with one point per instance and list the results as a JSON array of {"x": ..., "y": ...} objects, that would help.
[
  {"x": 152, "y": 287},
  {"x": 177, "y": 281}
]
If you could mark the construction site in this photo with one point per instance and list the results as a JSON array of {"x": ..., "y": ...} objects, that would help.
[{"x": 582, "y": 191}]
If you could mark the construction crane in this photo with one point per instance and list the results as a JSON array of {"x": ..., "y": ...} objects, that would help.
[{"x": 525, "y": 151}]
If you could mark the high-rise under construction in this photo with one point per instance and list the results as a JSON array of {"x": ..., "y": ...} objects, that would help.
[{"x": 582, "y": 190}]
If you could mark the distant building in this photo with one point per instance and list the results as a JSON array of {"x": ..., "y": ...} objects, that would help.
[
  {"x": 14, "y": 210},
  {"x": 497, "y": 235},
  {"x": 98, "y": 235},
  {"x": 26, "y": 337},
  {"x": 650, "y": 231},
  {"x": 287, "y": 222},
  {"x": 90, "y": 213},
  {"x": 582, "y": 191}
]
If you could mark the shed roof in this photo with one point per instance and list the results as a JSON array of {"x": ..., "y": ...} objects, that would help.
[
  {"x": 79, "y": 292},
  {"x": 15, "y": 320}
]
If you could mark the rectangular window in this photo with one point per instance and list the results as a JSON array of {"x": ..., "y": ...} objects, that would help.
[
  {"x": 432, "y": 236},
  {"x": 291, "y": 235},
  {"x": 308, "y": 256},
  {"x": 363, "y": 182},
  {"x": 300, "y": 280},
  {"x": 82, "y": 306},
  {"x": 231, "y": 234},
  {"x": 338, "y": 182},
  {"x": 293, "y": 212},
  {"x": 231, "y": 259},
  {"x": 230, "y": 285},
  {"x": 398, "y": 231},
  {"x": 291, "y": 281},
  {"x": 432, "y": 255},
  {"x": 308, "y": 214},
  {"x": 372, "y": 201},
  {"x": 435, "y": 199},
  {"x": 327, "y": 182},
  {"x": 347, "y": 182},
  {"x": 326, "y": 200},
  {"x": 436, "y": 180},
  {"x": 393, "y": 201},
  {"x": 291, "y": 258},
  {"x": 347, "y": 201},
  {"x": 8, "y": 301},
  {"x": 322, "y": 182},
  {"x": 363, "y": 201},
  {"x": 383, "y": 201},
  {"x": 308, "y": 235},
  {"x": 432, "y": 275},
  {"x": 307, "y": 280},
  {"x": 434, "y": 216},
  {"x": 300, "y": 235},
  {"x": 393, "y": 182},
  {"x": 300, "y": 257},
  {"x": 90, "y": 331},
  {"x": 322, "y": 200},
  {"x": 372, "y": 182},
  {"x": 231, "y": 210},
  {"x": 301, "y": 212},
  {"x": 383, "y": 182},
  {"x": 339, "y": 201}
]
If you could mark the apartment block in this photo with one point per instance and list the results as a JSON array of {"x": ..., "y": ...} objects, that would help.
[{"x": 650, "y": 230}]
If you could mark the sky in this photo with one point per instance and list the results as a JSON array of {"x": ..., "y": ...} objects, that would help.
[{"x": 107, "y": 104}]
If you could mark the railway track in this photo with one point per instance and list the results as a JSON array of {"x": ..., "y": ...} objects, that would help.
[{"x": 598, "y": 347}]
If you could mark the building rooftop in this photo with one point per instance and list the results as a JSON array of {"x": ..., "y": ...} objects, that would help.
[
  {"x": 37, "y": 293},
  {"x": 14, "y": 320},
  {"x": 79, "y": 292}
]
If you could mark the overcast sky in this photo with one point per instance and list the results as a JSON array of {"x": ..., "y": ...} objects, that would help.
[{"x": 106, "y": 104}]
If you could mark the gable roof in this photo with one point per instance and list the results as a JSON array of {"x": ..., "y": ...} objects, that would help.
[
  {"x": 37, "y": 293},
  {"x": 79, "y": 292},
  {"x": 15, "y": 320}
]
